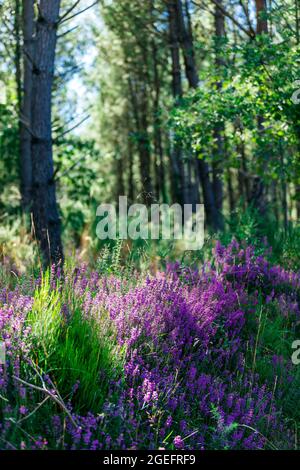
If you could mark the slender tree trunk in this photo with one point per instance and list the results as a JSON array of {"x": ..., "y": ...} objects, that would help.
[
  {"x": 217, "y": 172},
  {"x": 119, "y": 172},
  {"x": 208, "y": 195},
  {"x": 261, "y": 20},
  {"x": 178, "y": 183},
  {"x": 17, "y": 31},
  {"x": 187, "y": 45},
  {"x": 297, "y": 195},
  {"x": 297, "y": 4},
  {"x": 258, "y": 193},
  {"x": 275, "y": 200},
  {"x": 297, "y": 186},
  {"x": 219, "y": 129},
  {"x": 186, "y": 42},
  {"x": 25, "y": 121},
  {"x": 18, "y": 73},
  {"x": 158, "y": 145},
  {"x": 230, "y": 191},
  {"x": 284, "y": 188},
  {"x": 139, "y": 101},
  {"x": 130, "y": 183},
  {"x": 145, "y": 158},
  {"x": 46, "y": 219},
  {"x": 243, "y": 180},
  {"x": 245, "y": 172}
]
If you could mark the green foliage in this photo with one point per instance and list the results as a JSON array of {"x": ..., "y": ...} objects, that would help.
[{"x": 72, "y": 348}]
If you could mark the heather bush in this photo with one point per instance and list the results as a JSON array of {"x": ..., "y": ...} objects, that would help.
[{"x": 186, "y": 358}]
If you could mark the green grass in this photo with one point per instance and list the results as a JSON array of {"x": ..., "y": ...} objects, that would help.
[{"x": 74, "y": 348}]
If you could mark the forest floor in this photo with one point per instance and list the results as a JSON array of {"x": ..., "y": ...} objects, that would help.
[{"x": 177, "y": 358}]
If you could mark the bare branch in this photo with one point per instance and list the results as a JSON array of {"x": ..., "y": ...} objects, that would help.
[
  {"x": 246, "y": 13},
  {"x": 233, "y": 19},
  {"x": 50, "y": 394},
  {"x": 69, "y": 10},
  {"x": 70, "y": 120},
  {"x": 72, "y": 128},
  {"x": 26, "y": 124},
  {"x": 66, "y": 32},
  {"x": 34, "y": 411},
  {"x": 69, "y": 169},
  {"x": 78, "y": 13}
]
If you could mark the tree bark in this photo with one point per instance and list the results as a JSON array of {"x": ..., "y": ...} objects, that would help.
[
  {"x": 46, "y": 218},
  {"x": 230, "y": 192},
  {"x": 119, "y": 171},
  {"x": 258, "y": 193},
  {"x": 219, "y": 129},
  {"x": 178, "y": 184},
  {"x": 158, "y": 144},
  {"x": 261, "y": 20},
  {"x": 139, "y": 102},
  {"x": 25, "y": 121},
  {"x": 187, "y": 46},
  {"x": 130, "y": 183},
  {"x": 17, "y": 30},
  {"x": 297, "y": 196}
]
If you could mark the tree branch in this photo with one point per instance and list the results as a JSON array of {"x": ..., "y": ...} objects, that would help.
[
  {"x": 69, "y": 11},
  {"x": 50, "y": 394},
  {"x": 72, "y": 128},
  {"x": 78, "y": 13},
  {"x": 233, "y": 19}
]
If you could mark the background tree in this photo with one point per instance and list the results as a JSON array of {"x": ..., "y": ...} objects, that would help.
[{"x": 46, "y": 219}]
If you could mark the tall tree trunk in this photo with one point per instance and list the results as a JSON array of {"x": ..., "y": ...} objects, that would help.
[
  {"x": 284, "y": 188},
  {"x": 261, "y": 20},
  {"x": 119, "y": 172},
  {"x": 17, "y": 31},
  {"x": 258, "y": 193},
  {"x": 25, "y": 121},
  {"x": 243, "y": 180},
  {"x": 144, "y": 149},
  {"x": 274, "y": 198},
  {"x": 158, "y": 145},
  {"x": 130, "y": 181},
  {"x": 297, "y": 196},
  {"x": 186, "y": 42},
  {"x": 139, "y": 100},
  {"x": 46, "y": 219},
  {"x": 187, "y": 45},
  {"x": 219, "y": 129},
  {"x": 230, "y": 191},
  {"x": 208, "y": 195},
  {"x": 297, "y": 5},
  {"x": 178, "y": 183}
]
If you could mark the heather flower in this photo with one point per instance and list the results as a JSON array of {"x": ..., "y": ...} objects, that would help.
[
  {"x": 178, "y": 442},
  {"x": 23, "y": 410}
]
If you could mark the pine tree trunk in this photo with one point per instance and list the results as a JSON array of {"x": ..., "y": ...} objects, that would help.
[
  {"x": 158, "y": 145},
  {"x": 219, "y": 129},
  {"x": 258, "y": 193},
  {"x": 17, "y": 31},
  {"x": 139, "y": 100},
  {"x": 261, "y": 20},
  {"x": 178, "y": 183},
  {"x": 187, "y": 45},
  {"x": 230, "y": 191},
  {"x": 208, "y": 195},
  {"x": 297, "y": 196},
  {"x": 130, "y": 183},
  {"x": 25, "y": 121},
  {"x": 46, "y": 219}
]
